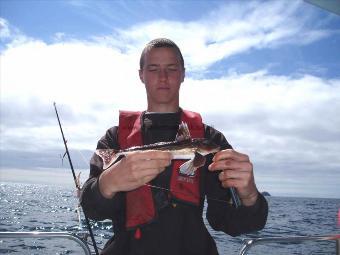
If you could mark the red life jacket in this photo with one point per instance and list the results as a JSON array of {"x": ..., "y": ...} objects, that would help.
[{"x": 140, "y": 207}]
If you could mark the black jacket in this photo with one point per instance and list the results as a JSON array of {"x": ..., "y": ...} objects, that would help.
[{"x": 179, "y": 228}]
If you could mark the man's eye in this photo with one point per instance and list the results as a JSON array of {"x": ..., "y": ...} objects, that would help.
[
  {"x": 153, "y": 69},
  {"x": 172, "y": 68}
]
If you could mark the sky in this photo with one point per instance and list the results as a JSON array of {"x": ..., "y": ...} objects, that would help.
[{"x": 265, "y": 73}]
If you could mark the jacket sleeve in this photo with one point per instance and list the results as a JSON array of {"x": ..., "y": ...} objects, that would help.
[
  {"x": 221, "y": 214},
  {"x": 94, "y": 204}
]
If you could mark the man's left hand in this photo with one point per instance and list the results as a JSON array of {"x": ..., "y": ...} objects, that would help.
[{"x": 236, "y": 171}]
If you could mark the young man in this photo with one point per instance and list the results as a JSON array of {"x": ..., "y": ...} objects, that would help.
[{"x": 154, "y": 209}]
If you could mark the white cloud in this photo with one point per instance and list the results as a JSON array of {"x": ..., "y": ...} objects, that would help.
[
  {"x": 80, "y": 75},
  {"x": 4, "y": 29},
  {"x": 10, "y": 36}
]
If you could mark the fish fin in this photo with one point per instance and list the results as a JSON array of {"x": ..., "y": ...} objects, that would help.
[
  {"x": 199, "y": 160},
  {"x": 109, "y": 156},
  {"x": 183, "y": 132},
  {"x": 188, "y": 168}
]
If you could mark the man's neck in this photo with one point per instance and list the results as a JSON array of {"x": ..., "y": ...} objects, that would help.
[{"x": 163, "y": 108}]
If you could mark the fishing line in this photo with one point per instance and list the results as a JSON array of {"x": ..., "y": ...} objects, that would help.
[
  {"x": 86, "y": 161},
  {"x": 179, "y": 192}
]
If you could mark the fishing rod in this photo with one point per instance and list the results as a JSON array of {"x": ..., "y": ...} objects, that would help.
[{"x": 75, "y": 180}]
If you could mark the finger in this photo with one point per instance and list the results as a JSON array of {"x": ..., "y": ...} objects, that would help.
[
  {"x": 241, "y": 185},
  {"x": 237, "y": 179},
  {"x": 131, "y": 185},
  {"x": 230, "y": 154},
  {"x": 150, "y": 163},
  {"x": 232, "y": 174},
  {"x": 146, "y": 173},
  {"x": 135, "y": 163},
  {"x": 230, "y": 165},
  {"x": 152, "y": 174},
  {"x": 136, "y": 180},
  {"x": 230, "y": 183},
  {"x": 150, "y": 171}
]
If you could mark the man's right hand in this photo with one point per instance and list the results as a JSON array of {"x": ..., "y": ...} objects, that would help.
[{"x": 133, "y": 171}]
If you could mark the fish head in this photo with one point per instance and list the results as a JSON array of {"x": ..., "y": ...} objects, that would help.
[{"x": 205, "y": 146}]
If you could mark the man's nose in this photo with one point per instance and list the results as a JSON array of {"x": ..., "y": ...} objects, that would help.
[{"x": 163, "y": 74}]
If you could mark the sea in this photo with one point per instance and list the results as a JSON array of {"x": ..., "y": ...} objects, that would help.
[{"x": 53, "y": 208}]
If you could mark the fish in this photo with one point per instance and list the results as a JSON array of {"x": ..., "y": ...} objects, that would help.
[{"x": 184, "y": 147}]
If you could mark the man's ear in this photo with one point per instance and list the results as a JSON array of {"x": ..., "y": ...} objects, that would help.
[{"x": 141, "y": 77}]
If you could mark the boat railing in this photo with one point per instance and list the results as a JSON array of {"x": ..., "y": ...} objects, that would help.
[
  {"x": 35, "y": 234},
  {"x": 251, "y": 242},
  {"x": 247, "y": 243}
]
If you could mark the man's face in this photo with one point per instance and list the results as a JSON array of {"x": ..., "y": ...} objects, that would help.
[{"x": 162, "y": 75}]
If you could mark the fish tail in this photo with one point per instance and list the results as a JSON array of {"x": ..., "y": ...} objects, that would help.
[{"x": 109, "y": 156}]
